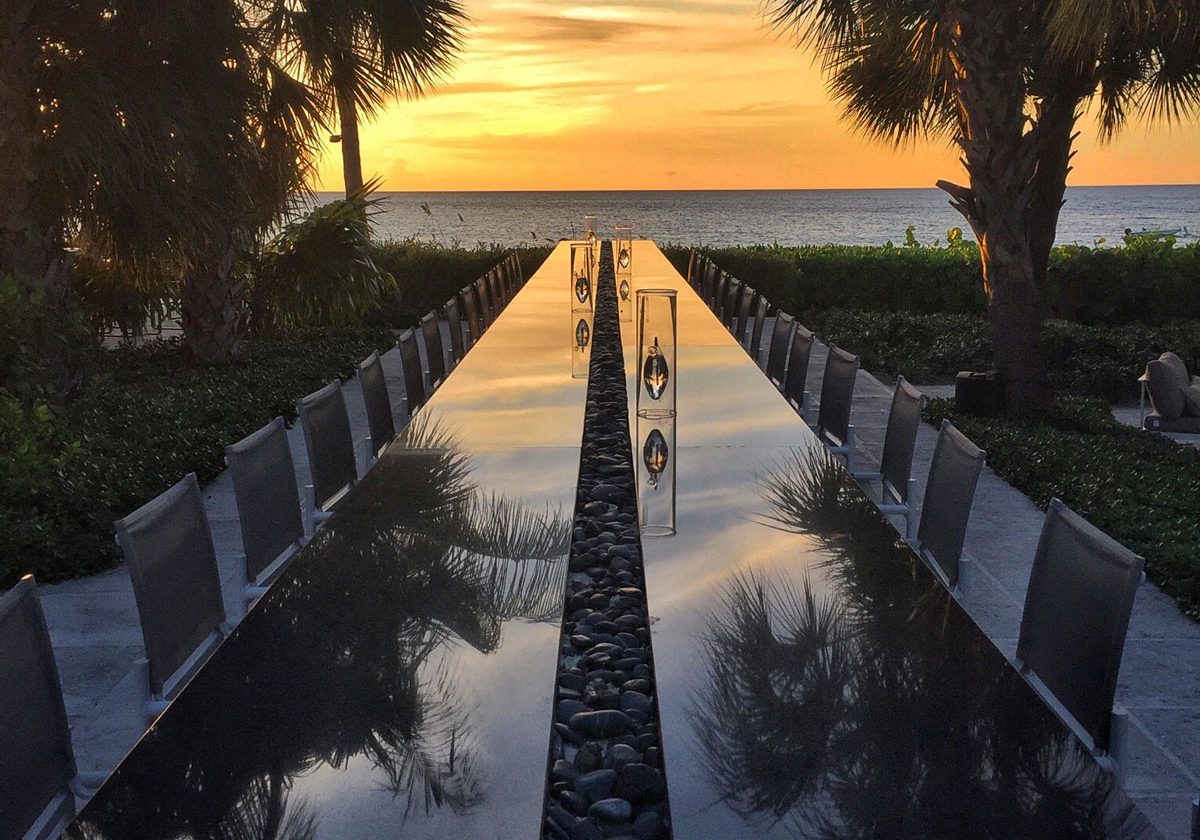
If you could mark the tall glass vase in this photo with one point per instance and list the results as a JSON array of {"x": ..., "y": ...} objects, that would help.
[
  {"x": 656, "y": 372},
  {"x": 583, "y": 277}
]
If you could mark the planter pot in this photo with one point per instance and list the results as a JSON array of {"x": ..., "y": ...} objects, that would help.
[{"x": 980, "y": 393}]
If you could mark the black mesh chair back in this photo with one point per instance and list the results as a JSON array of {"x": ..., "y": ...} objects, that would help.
[
  {"x": 837, "y": 394},
  {"x": 754, "y": 345},
  {"x": 796, "y": 378},
  {"x": 777, "y": 352},
  {"x": 36, "y": 760},
  {"x": 495, "y": 291},
  {"x": 410, "y": 360},
  {"x": 691, "y": 268},
  {"x": 471, "y": 309},
  {"x": 900, "y": 439},
  {"x": 722, "y": 280},
  {"x": 1077, "y": 608},
  {"x": 949, "y": 493},
  {"x": 733, "y": 294},
  {"x": 454, "y": 320},
  {"x": 268, "y": 501},
  {"x": 485, "y": 306},
  {"x": 378, "y": 403},
  {"x": 169, "y": 551},
  {"x": 520, "y": 272},
  {"x": 708, "y": 281},
  {"x": 742, "y": 323},
  {"x": 431, "y": 332},
  {"x": 328, "y": 441}
]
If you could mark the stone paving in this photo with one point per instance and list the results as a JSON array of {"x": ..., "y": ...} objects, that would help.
[{"x": 94, "y": 626}]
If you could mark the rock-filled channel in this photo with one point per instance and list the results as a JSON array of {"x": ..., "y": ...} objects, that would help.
[{"x": 606, "y": 776}]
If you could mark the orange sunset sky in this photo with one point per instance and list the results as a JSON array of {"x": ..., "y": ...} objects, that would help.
[{"x": 658, "y": 94}]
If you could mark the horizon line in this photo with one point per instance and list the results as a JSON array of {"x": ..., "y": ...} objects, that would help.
[{"x": 732, "y": 189}]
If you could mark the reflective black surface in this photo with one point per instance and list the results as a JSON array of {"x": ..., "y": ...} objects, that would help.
[
  {"x": 814, "y": 678},
  {"x": 397, "y": 681}
]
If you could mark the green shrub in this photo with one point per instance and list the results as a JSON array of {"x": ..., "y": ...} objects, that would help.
[
  {"x": 42, "y": 347},
  {"x": 1142, "y": 489},
  {"x": 146, "y": 418},
  {"x": 1147, "y": 281},
  {"x": 428, "y": 274},
  {"x": 320, "y": 269}
]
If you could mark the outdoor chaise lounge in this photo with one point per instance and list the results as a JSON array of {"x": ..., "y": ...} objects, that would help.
[{"x": 1174, "y": 396}]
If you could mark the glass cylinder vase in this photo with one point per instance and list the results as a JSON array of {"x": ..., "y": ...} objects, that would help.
[
  {"x": 583, "y": 277},
  {"x": 623, "y": 266},
  {"x": 656, "y": 372}
]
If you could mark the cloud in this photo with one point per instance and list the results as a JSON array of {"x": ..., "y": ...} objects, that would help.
[{"x": 763, "y": 109}]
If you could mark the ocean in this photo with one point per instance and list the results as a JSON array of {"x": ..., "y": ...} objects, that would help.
[{"x": 742, "y": 217}]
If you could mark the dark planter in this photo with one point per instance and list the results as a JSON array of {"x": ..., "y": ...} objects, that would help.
[{"x": 980, "y": 393}]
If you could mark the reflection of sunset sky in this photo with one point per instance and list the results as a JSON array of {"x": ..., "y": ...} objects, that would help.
[{"x": 657, "y": 94}]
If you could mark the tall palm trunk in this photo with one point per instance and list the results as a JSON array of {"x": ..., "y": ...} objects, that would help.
[
  {"x": 1056, "y": 114},
  {"x": 213, "y": 305},
  {"x": 351, "y": 151},
  {"x": 30, "y": 232},
  {"x": 998, "y": 156}
]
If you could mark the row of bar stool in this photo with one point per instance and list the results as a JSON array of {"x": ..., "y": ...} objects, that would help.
[{"x": 168, "y": 547}]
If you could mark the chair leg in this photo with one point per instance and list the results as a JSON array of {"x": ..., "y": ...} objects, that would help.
[
  {"x": 1118, "y": 742},
  {"x": 152, "y": 706}
]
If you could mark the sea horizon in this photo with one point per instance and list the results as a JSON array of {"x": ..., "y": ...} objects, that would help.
[{"x": 1092, "y": 215}]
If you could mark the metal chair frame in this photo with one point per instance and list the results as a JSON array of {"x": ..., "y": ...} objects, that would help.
[
  {"x": 895, "y": 464},
  {"x": 837, "y": 396}
]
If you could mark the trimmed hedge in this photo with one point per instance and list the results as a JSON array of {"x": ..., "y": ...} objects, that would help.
[
  {"x": 1147, "y": 281},
  {"x": 146, "y": 417},
  {"x": 1095, "y": 361},
  {"x": 427, "y": 274},
  {"x": 1142, "y": 489}
]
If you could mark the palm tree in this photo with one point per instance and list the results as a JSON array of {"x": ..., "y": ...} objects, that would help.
[
  {"x": 146, "y": 130},
  {"x": 1006, "y": 83},
  {"x": 359, "y": 54}
]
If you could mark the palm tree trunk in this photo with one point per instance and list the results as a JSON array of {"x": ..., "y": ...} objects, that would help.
[
  {"x": 999, "y": 156},
  {"x": 1056, "y": 116},
  {"x": 351, "y": 152},
  {"x": 213, "y": 307},
  {"x": 30, "y": 230}
]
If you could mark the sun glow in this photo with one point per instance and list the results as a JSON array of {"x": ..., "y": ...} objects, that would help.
[{"x": 648, "y": 94}]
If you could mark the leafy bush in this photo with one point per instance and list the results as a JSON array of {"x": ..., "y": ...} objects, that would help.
[
  {"x": 1142, "y": 489},
  {"x": 320, "y": 269},
  {"x": 428, "y": 274},
  {"x": 1148, "y": 281},
  {"x": 41, "y": 348},
  {"x": 145, "y": 418},
  {"x": 1095, "y": 361}
]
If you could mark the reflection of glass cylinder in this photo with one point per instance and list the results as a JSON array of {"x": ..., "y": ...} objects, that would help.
[
  {"x": 581, "y": 344},
  {"x": 656, "y": 476},
  {"x": 583, "y": 276},
  {"x": 656, "y": 353},
  {"x": 623, "y": 265},
  {"x": 589, "y": 229}
]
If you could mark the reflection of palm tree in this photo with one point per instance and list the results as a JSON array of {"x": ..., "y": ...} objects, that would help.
[
  {"x": 879, "y": 711},
  {"x": 346, "y": 657}
]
